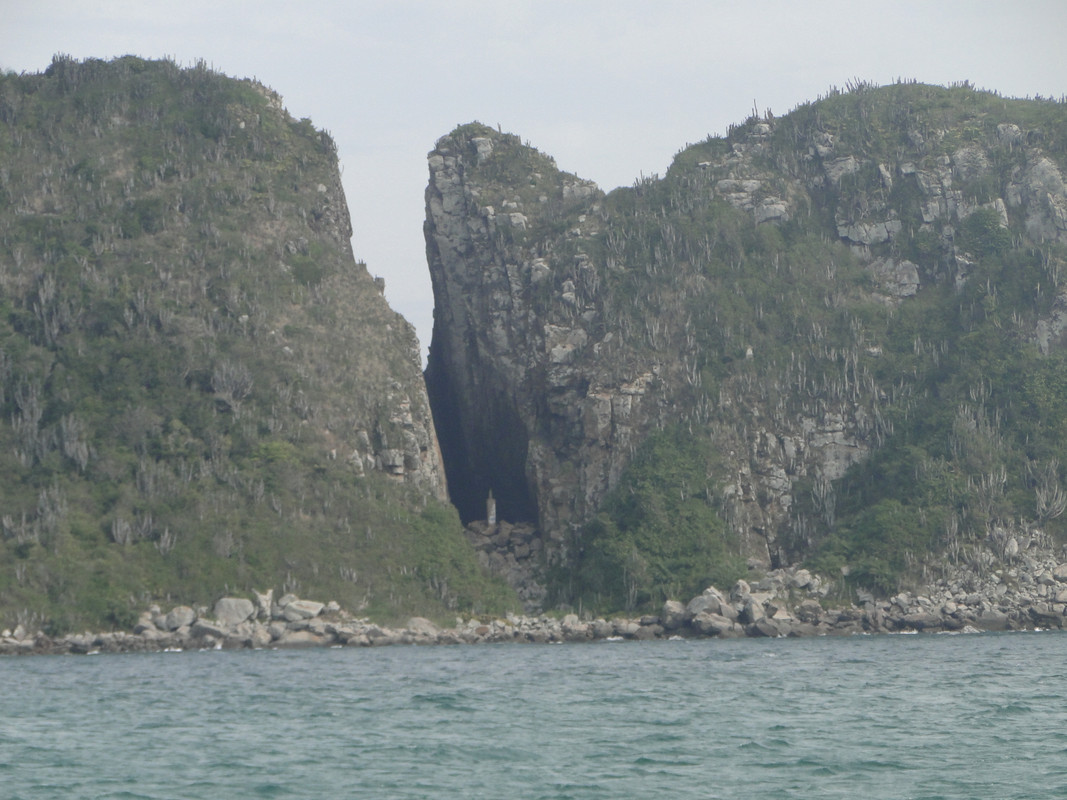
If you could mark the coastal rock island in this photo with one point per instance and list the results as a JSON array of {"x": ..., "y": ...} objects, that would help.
[{"x": 828, "y": 343}]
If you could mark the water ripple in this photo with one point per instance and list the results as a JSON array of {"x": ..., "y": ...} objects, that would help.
[{"x": 878, "y": 717}]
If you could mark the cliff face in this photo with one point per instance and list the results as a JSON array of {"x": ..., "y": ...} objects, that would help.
[
  {"x": 790, "y": 296},
  {"x": 502, "y": 374},
  {"x": 201, "y": 387}
]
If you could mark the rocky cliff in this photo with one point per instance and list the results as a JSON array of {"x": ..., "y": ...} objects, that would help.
[
  {"x": 867, "y": 274},
  {"x": 201, "y": 387}
]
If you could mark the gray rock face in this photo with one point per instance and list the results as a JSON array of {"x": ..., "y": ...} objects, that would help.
[
  {"x": 541, "y": 396},
  {"x": 542, "y": 405},
  {"x": 493, "y": 362},
  {"x": 899, "y": 279}
]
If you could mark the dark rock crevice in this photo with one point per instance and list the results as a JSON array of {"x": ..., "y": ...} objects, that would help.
[{"x": 484, "y": 447}]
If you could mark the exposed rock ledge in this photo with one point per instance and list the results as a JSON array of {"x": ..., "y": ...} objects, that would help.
[{"x": 787, "y": 602}]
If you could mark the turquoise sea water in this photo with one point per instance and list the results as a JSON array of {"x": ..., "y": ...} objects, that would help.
[{"x": 978, "y": 716}]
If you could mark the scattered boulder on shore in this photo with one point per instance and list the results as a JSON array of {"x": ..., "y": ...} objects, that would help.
[
  {"x": 1028, "y": 593},
  {"x": 232, "y": 611}
]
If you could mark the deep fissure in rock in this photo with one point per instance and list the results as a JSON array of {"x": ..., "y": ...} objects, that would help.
[{"x": 483, "y": 444}]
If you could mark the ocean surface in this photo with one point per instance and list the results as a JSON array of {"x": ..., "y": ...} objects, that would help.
[{"x": 968, "y": 716}]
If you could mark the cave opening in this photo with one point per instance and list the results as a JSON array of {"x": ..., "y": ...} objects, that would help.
[{"x": 484, "y": 448}]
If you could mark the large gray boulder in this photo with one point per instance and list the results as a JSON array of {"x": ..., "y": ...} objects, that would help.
[
  {"x": 1046, "y": 617},
  {"x": 710, "y": 603},
  {"x": 752, "y": 611},
  {"x": 710, "y": 624},
  {"x": 202, "y": 628},
  {"x": 302, "y": 609},
  {"x": 922, "y": 620},
  {"x": 673, "y": 616},
  {"x": 764, "y": 627},
  {"x": 179, "y": 617},
  {"x": 232, "y": 611}
]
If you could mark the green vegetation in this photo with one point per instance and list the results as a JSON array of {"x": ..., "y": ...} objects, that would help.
[
  {"x": 658, "y": 535},
  {"x": 760, "y": 332},
  {"x": 978, "y": 442},
  {"x": 193, "y": 370}
]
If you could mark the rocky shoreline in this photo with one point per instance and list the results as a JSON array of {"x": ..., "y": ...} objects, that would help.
[{"x": 1029, "y": 595}]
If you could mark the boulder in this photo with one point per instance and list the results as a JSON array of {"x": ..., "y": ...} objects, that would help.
[
  {"x": 728, "y": 611},
  {"x": 203, "y": 628},
  {"x": 626, "y": 627},
  {"x": 232, "y": 611},
  {"x": 1045, "y": 617},
  {"x": 673, "y": 616},
  {"x": 809, "y": 611},
  {"x": 574, "y": 629},
  {"x": 710, "y": 624},
  {"x": 421, "y": 626},
  {"x": 379, "y": 636},
  {"x": 301, "y": 609},
  {"x": 764, "y": 627},
  {"x": 299, "y": 639},
  {"x": 648, "y": 632},
  {"x": 740, "y": 590},
  {"x": 179, "y": 617},
  {"x": 602, "y": 629},
  {"x": 263, "y": 603},
  {"x": 261, "y": 636},
  {"x": 993, "y": 620},
  {"x": 873, "y": 618},
  {"x": 751, "y": 612},
  {"x": 710, "y": 603},
  {"x": 276, "y": 629},
  {"x": 922, "y": 620}
]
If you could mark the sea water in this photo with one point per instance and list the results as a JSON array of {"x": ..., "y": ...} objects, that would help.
[{"x": 930, "y": 716}]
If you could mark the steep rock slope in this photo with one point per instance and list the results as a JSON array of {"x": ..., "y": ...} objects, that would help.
[
  {"x": 872, "y": 273},
  {"x": 201, "y": 388}
]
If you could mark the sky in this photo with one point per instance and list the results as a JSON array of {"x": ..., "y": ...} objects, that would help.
[{"x": 612, "y": 90}]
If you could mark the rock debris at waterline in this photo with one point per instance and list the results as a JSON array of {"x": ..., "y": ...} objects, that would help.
[{"x": 783, "y": 603}]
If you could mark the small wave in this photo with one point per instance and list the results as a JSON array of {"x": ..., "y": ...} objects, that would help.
[{"x": 271, "y": 790}]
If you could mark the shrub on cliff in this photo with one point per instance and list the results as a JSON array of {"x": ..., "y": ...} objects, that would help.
[{"x": 659, "y": 534}]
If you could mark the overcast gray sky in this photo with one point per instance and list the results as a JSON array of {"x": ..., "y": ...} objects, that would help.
[{"x": 610, "y": 89}]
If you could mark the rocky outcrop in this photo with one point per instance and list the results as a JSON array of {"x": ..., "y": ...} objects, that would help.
[
  {"x": 513, "y": 400},
  {"x": 215, "y": 334},
  {"x": 570, "y": 325},
  {"x": 537, "y": 394}
]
